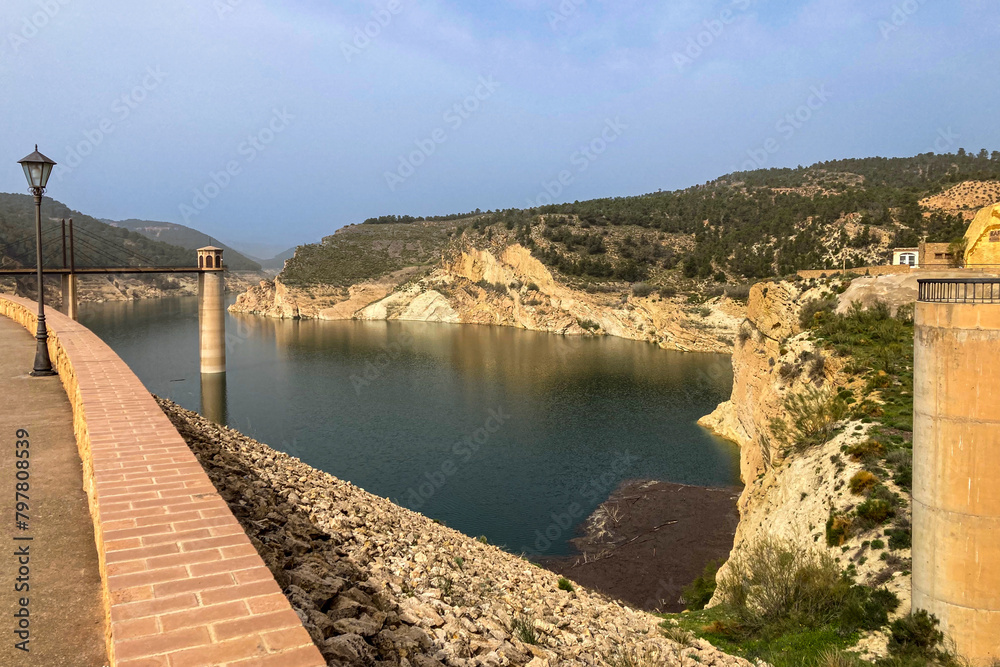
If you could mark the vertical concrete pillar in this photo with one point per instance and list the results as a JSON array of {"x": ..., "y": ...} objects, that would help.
[
  {"x": 69, "y": 295},
  {"x": 212, "y": 311},
  {"x": 956, "y": 473}
]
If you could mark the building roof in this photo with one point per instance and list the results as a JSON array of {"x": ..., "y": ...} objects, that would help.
[{"x": 209, "y": 247}]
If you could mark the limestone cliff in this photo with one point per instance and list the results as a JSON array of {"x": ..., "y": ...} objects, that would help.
[
  {"x": 507, "y": 287},
  {"x": 790, "y": 495}
]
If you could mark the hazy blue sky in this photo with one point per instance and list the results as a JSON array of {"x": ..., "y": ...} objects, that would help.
[{"x": 143, "y": 102}]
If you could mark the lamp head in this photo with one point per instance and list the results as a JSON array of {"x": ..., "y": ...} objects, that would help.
[{"x": 37, "y": 169}]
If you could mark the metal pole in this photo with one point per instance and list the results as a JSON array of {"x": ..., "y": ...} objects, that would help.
[
  {"x": 64, "y": 241},
  {"x": 43, "y": 365},
  {"x": 72, "y": 255}
]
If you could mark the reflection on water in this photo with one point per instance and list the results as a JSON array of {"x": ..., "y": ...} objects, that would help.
[
  {"x": 492, "y": 430},
  {"x": 213, "y": 398}
]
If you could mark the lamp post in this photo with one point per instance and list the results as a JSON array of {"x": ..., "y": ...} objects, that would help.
[{"x": 37, "y": 169}]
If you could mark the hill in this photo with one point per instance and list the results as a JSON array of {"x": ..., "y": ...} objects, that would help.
[
  {"x": 96, "y": 243},
  {"x": 276, "y": 263},
  {"x": 741, "y": 227},
  {"x": 362, "y": 252},
  {"x": 186, "y": 237}
]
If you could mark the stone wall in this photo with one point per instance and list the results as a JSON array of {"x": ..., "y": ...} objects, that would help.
[{"x": 890, "y": 269}]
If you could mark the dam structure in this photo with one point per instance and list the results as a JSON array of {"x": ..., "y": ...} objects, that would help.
[{"x": 956, "y": 461}]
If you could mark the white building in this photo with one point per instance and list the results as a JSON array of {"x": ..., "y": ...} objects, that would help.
[{"x": 906, "y": 256}]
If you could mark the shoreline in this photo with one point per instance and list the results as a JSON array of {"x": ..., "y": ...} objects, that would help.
[
  {"x": 649, "y": 540},
  {"x": 375, "y": 583}
]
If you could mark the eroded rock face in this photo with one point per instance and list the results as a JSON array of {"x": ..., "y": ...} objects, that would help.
[
  {"x": 376, "y": 584},
  {"x": 790, "y": 495},
  {"x": 505, "y": 287}
]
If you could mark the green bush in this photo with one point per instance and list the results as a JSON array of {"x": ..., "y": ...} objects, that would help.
[
  {"x": 838, "y": 529},
  {"x": 565, "y": 584},
  {"x": 772, "y": 580},
  {"x": 861, "y": 482},
  {"x": 874, "y": 512},
  {"x": 813, "y": 414},
  {"x": 699, "y": 592},
  {"x": 867, "y": 451},
  {"x": 589, "y": 325},
  {"x": 523, "y": 627},
  {"x": 816, "y": 311},
  {"x": 901, "y": 462},
  {"x": 900, "y": 537},
  {"x": 775, "y": 586},
  {"x": 917, "y": 636}
]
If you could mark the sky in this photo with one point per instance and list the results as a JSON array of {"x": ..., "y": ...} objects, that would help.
[{"x": 268, "y": 124}]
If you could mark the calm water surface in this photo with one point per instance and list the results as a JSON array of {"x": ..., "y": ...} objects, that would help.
[{"x": 495, "y": 431}]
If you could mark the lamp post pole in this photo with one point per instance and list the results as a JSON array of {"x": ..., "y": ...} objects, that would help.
[
  {"x": 37, "y": 169},
  {"x": 43, "y": 365}
]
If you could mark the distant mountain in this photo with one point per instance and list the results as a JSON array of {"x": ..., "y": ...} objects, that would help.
[
  {"x": 96, "y": 243},
  {"x": 186, "y": 237},
  {"x": 741, "y": 227},
  {"x": 277, "y": 263}
]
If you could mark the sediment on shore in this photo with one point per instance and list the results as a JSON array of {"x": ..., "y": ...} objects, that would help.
[
  {"x": 377, "y": 584},
  {"x": 651, "y": 539}
]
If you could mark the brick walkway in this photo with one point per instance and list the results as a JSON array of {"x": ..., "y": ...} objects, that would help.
[
  {"x": 183, "y": 586},
  {"x": 66, "y": 616}
]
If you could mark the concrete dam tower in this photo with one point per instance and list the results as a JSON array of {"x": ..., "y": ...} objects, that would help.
[
  {"x": 956, "y": 461},
  {"x": 211, "y": 310}
]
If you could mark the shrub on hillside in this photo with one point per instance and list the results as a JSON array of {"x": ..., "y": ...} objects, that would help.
[
  {"x": 917, "y": 637},
  {"x": 877, "y": 509},
  {"x": 861, "y": 482},
  {"x": 773, "y": 585},
  {"x": 838, "y": 529},
  {"x": 867, "y": 451},
  {"x": 813, "y": 414},
  {"x": 642, "y": 289},
  {"x": 738, "y": 292},
  {"x": 788, "y": 372},
  {"x": 699, "y": 592},
  {"x": 815, "y": 311}
]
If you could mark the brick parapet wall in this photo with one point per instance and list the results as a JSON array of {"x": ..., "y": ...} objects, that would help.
[{"x": 183, "y": 586}]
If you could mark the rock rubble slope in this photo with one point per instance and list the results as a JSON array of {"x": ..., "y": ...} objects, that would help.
[{"x": 376, "y": 584}]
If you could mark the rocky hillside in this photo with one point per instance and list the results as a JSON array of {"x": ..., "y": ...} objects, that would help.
[
  {"x": 377, "y": 584},
  {"x": 964, "y": 199},
  {"x": 505, "y": 285},
  {"x": 614, "y": 266},
  {"x": 813, "y": 488}
]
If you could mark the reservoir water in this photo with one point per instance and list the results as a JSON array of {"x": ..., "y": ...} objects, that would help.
[{"x": 494, "y": 431}]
